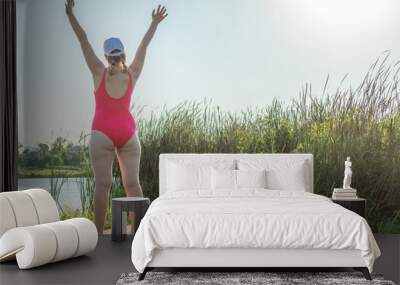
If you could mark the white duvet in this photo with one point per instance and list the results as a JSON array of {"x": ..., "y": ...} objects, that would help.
[{"x": 251, "y": 218}]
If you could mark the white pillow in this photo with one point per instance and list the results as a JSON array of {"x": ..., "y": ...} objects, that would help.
[
  {"x": 291, "y": 178},
  {"x": 189, "y": 174},
  {"x": 220, "y": 163},
  {"x": 223, "y": 179},
  {"x": 282, "y": 174},
  {"x": 188, "y": 177},
  {"x": 251, "y": 178}
]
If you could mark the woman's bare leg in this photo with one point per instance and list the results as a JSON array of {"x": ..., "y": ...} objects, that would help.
[
  {"x": 129, "y": 163},
  {"x": 102, "y": 154}
]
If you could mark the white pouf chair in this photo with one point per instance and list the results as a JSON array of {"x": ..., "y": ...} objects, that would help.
[{"x": 31, "y": 230}]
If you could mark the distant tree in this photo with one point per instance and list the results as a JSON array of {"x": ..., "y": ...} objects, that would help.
[
  {"x": 72, "y": 155},
  {"x": 30, "y": 157},
  {"x": 58, "y": 151},
  {"x": 44, "y": 155}
]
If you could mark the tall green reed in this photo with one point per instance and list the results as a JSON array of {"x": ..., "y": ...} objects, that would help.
[
  {"x": 86, "y": 182},
  {"x": 362, "y": 122}
]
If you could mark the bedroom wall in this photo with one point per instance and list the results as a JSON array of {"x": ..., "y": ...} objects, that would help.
[
  {"x": 242, "y": 58},
  {"x": 225, "y": 76}
]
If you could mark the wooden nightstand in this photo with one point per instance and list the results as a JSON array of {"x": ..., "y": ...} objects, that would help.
[{"x": 357, "y": 205}]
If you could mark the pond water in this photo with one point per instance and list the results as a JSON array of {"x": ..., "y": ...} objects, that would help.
[{"x": 69, "y": 196}]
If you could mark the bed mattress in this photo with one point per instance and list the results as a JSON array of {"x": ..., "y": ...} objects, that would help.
[{"x": 250, "y": 219}]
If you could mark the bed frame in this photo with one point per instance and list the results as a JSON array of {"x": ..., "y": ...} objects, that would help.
[{"x": 249, "y": 258}]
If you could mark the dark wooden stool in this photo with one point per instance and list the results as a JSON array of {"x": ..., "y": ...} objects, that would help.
[
  {"x": 357, "y": 205},
  {"x": 120, "y": 209}
]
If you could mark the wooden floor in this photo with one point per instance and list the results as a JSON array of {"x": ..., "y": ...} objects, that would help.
[
  {"x": 103, "y": 266},
  {"x": 110, "y": 260}
]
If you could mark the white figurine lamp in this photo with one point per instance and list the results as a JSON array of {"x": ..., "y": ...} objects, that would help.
[
  {"x": 347, "y": 192},
  {"x": 347, "y": 174}
]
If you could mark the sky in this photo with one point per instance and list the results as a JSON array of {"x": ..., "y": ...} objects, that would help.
[{"x": 236, "y": 53}]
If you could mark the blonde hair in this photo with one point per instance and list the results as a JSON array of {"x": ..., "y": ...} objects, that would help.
[{"x": 113, "y": 60}]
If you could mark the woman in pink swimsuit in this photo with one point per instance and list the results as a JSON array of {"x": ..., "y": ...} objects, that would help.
[{"x": 114, "y": 131}]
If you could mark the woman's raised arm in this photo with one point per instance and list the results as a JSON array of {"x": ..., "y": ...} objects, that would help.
[
  {"x": 94, "y": 63},
  {"x": 137, "y": 64}
]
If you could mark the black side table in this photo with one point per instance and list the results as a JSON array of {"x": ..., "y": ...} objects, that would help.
[
  {"x": 120, "y": 209},
  {"x": 357, "y": 205}
]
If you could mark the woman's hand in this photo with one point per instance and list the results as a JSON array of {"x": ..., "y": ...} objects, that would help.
[
  {"x": 68, "y": 7},
  {"x": 159, "y": 15}
]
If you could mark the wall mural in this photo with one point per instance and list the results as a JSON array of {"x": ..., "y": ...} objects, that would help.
[{"x": 214, "y": 78}]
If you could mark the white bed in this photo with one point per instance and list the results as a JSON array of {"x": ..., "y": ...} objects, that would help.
[{"x": 250, "y": 226}]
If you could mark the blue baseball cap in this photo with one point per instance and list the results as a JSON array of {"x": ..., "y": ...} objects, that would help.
[{"x": 113, "y": 44}]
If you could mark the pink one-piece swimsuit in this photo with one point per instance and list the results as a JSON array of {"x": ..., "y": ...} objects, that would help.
[{"x": 112, "y": 115}]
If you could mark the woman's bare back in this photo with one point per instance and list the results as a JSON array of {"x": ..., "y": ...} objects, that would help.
[{"x": 116, "y": 85}]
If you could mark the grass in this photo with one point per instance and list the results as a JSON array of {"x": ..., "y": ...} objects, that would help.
[
  {"x": 67, "y": 213},
  {"x": 361, "y": 122}
]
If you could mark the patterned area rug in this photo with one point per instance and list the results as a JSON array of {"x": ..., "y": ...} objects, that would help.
[{"x": 269, "y": 278}]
